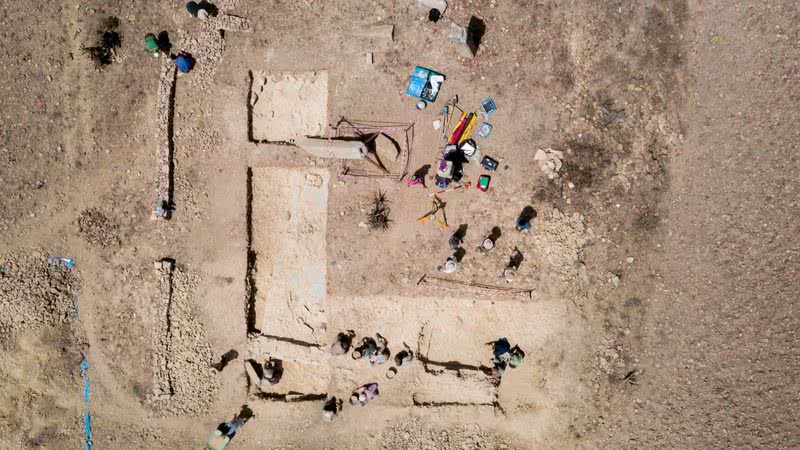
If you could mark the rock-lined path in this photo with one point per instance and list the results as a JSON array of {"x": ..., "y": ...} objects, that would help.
[{"x": 166, "y": 103}]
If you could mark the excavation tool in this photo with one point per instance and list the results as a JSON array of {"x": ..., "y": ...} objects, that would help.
[
  {"x": 446, "y": 116},
  {"x": 438, "y": 205},
  {"x": 452, "y": 188}
]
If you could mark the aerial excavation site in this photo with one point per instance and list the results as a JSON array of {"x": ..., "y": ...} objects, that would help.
[{"x": 399, "y": 224}]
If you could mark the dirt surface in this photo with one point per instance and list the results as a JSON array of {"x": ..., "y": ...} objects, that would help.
[
  {"x": 35, "y": 294},
  {"x": 287, "y": 106},
  {"x": 97, "y": 228},
  {"x": 656, "y": 294},
  {"x": 37, "y": 319},
  {"x": 184, "y": 383}
]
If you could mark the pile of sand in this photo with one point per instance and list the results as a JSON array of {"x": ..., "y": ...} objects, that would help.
[{"x": 34, "y": 293}]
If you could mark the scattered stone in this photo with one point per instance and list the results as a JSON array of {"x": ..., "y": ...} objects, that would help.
[
  {"x": 561, "y": 239},
  {"x": 417, "y": 434},
  {"x": 97, "y": 228},
  {"x": 549, "y": 161},
  {"x": 34, "y": 293},
  {"x": 183, "y": 383},
  {"x": 459, "y": 35},
  {"x": 440, "y": 5},
  {"x": 313, "y": 179},
  {"x": 378, "y": 34},
  {"x": 208, "y": 46},
  {"x": 166, "y": 88}
]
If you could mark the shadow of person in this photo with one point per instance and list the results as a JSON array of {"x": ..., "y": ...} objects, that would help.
[
  {"x": 210, "y": 8},
  {"x": 516, "y": 259},
  {"x": 459, "y": 254},
  {"x": 389, "y": 147},
  {"x": 461, "y": 232},
  {"x": 458, "y": 159},
  {"x": 229, "y": 356},
  {"x": 257, "y": 367},
  {"x": 230, "y": 428},
  {"x": 163, "y": 42},
  {"x": 528, "y": 213},
  {"x": 475, "y": 31},
  {"x": 246, "y": 413},
  {"x": 495, "y": 234},
  {"x": 277, "y": 369},
  {"x": 421, "y": 173}
]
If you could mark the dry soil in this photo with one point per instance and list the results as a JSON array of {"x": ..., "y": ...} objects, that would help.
[{"x": 662, "y": 265}]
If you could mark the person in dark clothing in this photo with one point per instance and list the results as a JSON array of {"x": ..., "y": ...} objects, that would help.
[
  {"x": 517, "y": 356},
  {"x": 367, "y": 348},
  {"x": 505, "y": 356},
  {"x": 229, "y": 428},
  {"x": 330, "y": 408},
  {"x": 343, "y": 343},
  {"x": 403, "y": 358},
  {"x": 273, "y": 371},
  {"x": 364, "y": 394},
  {"x": 500, "y": 347}
]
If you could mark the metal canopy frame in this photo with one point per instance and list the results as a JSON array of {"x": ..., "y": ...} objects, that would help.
[{"x": 346, "y": 128}]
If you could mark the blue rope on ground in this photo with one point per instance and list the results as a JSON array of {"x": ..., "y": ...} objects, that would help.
[
  {"x": 87, "y": 429},
  {"x": 69, "y": 263},
  {"x": 84, "y": 374}
]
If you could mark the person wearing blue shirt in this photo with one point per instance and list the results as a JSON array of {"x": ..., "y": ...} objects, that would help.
[{"x": 185, "y": 62}]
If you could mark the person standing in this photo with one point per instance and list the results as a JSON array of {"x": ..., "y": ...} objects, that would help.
[
  {"x": 404, "y": 357},
  {"x": 455, "y": 241},
  {"x": 525, "y": 219},
  {"x": 225, "y": 431},
  {"x": 382, "y": 352},
  {"x": 151, "y": 43},
  {"x": 198, "y": 10},
  {"x": 330, "y": 408},
  {"x": 367, "y": 348},
  {"x": 343, "y": 343},
  {"x": 273, "y": 371},
  {"x": 449, "y": 266},
  {"x": 364, "y": 394},
  {"x": 523, "y": 224},
  {"x": 517, "y": 357},
  {"x": 185, "y": 62}
]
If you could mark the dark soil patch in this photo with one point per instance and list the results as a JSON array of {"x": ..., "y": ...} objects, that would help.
[
  {"x": 587, "y": 164},
  {"x": 97, "y": 228},
  {"x": 108, "y": 39}
]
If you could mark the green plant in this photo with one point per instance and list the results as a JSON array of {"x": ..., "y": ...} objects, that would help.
[{"x": 378, "y": 216}]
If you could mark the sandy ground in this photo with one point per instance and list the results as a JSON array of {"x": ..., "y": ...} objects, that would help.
[
  {"x": 662, "y": 264},
  {"x": 288, "y": 105}
]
